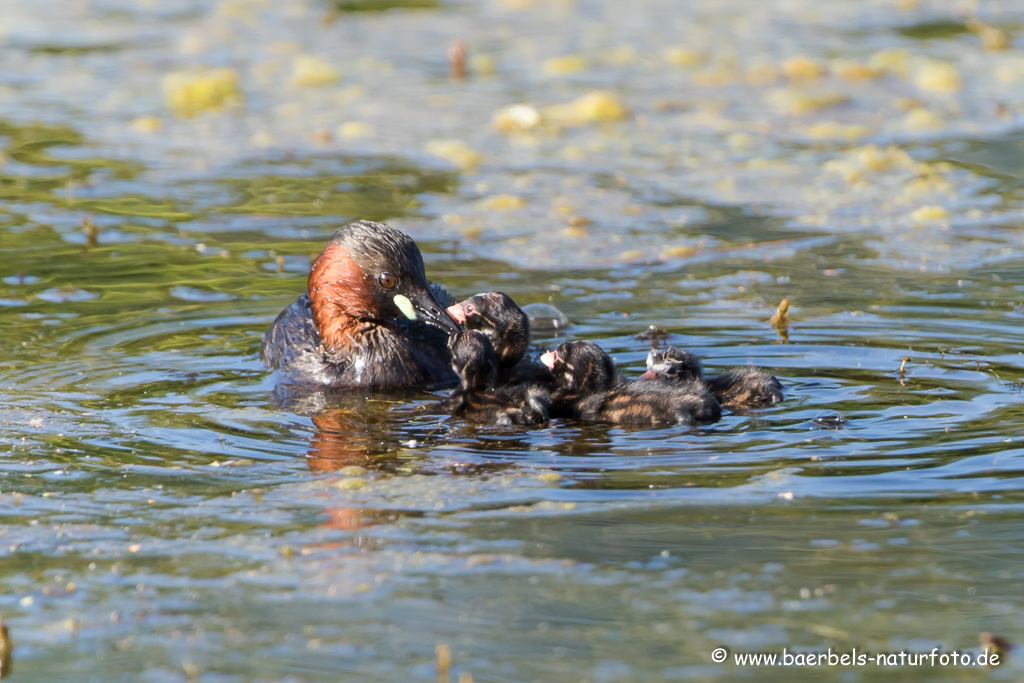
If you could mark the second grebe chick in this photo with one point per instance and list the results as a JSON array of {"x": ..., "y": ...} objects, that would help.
[
  {"x": 497, "y": 316},
  {"x": 478, "y": 398},
  {"x": 508, "y": 329},
  {"x": 588, "y": 387}
]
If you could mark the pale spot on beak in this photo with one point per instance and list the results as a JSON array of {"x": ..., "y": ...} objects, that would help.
[
  {"x": 548, "y": 359},
  {"x": 405, "y": 306}
]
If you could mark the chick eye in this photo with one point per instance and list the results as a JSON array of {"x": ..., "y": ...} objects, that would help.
[
  {"x": 468, "y": 308},
  {"x": 387, "y": 280}
]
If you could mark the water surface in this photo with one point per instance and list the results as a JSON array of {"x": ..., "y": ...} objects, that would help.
[{"x": 169, "y": 516}]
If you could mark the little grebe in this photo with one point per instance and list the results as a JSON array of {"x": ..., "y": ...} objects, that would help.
[
  {"x": 369, "y": 319},
  {"x": 478, "y": 398},
  {"x": 742, "y": 388},
  {"x": 588, "y": 387},
  {"x": 507, "y": 327}
]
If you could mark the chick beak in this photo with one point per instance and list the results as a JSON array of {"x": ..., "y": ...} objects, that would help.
[
  {"x": 549, "y": 359},
  {"x": 650, "y": 374},
  {"x": 458, "y": 313},
  {"x": 431, "y": 312}
]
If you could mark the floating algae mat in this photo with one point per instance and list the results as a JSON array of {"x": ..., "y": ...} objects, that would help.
[{"x": 167, "y": 171}]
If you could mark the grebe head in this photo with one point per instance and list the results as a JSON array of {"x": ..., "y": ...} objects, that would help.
[
  {"x": 581, "y": 368},
  {"x": 672, "y": 364},
  {"x": 496, "y": 315},
  {"x": 370, "y": 272}
]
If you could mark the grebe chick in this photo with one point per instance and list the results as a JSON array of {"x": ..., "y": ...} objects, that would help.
[
  {"x": 742, "y": 388},
  {"x": 588, "y": 387},
  {"x": 745, "y": 388},
  {"x": 508, "y": 329},
  {"x": 478, "y": 399}
]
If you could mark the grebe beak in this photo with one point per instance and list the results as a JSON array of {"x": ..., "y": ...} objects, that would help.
[
  {"x": 422, "y": 306},
  {"x": 457, "y": 312}
]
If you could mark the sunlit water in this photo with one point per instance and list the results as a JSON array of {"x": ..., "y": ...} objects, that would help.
[{"x": 168, "y": 514}]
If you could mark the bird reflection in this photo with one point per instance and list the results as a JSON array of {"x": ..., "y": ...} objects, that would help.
[
  {"x": 390, "y": 435},
  {"x": 344, "y": 439},
  {"x": 376, "y": 433}
]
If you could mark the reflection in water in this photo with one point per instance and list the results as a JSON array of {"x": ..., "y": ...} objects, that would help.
[
  {"x": 359, "y": 433},
  {"x": 394, "y": 435},
  {"x": 346, "y": 438},
  {"x": 354, "y": 437}
]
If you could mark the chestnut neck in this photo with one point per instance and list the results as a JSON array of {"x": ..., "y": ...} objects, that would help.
[{"x": 336, "y": 286}]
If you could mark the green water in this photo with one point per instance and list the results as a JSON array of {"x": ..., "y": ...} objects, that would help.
[{"x": 168, "y": 516}]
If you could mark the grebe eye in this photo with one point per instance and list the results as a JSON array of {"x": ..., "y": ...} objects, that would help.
[{"x": 387, "y": 280}]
